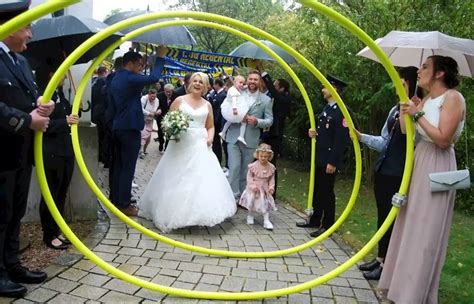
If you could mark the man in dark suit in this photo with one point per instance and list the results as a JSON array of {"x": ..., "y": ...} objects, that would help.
[
  {"x": 98, "y": 95},
  {"x": 216, "y": 98},
  {"x": 332, "y": 136},
  {"x": 128, "y": 121},
  {"x": 182, "y": 90},
  {"x": 19, "y": 116},
  {"x": 165, "y": 98},
  {"x": 280, "y": 94}
]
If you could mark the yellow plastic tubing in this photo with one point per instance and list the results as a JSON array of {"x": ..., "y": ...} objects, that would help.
[
  {"x": 27, "y": 17},
  {"x": 181, "y": 292},
  {"x": 82, "y": 166}
]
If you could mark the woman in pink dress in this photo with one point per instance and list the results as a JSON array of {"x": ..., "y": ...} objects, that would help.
[
  {"x": 419, "y": 241},
  {"x": 257, "y": 197}
]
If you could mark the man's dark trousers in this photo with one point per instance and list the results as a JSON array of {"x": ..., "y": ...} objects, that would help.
[
  {"x": 324, "y": 199},
  {"x": 127, "y": 147},
  {"x": 14, "y": 187}
]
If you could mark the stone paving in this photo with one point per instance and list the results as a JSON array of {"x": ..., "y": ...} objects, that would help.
[{"x": 74, "y": 279}]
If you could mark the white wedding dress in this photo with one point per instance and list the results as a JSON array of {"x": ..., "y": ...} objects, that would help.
[{"x": 188, "y": 187}]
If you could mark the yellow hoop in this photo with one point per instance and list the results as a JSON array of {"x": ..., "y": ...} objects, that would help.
[{"x": 211, "y": 295}]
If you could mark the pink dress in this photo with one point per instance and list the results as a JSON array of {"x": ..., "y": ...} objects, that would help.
[{"x": 256, "y": 196}]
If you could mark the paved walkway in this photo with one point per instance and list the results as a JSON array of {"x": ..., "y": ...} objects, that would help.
[{"x": 74, "y": 279}]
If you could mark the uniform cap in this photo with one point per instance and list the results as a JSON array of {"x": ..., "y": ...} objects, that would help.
[
  {"x": 336, "y": 82},
  {"x": 12, "y": 8}
]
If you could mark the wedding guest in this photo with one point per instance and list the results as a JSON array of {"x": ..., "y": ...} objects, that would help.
[
  {"x": 128, "y": 121},
  {"x": 20, "y": 114},
  {"x": 150, "y": 107},
  {"x": 388, "y": 169},
  {"x": 279, "y": 91},
  {"x": 216, "y": 98},
  {"x": 258, "y": 194},
  {"x": 419, "y": 241},
  {"x": 98, "y": 96},
  {"x": 182, "y": 90},
  {"x": 332, "y": 136},
  {"x": 165, "y": 99},
  {"x": 58, "y": 157},
  {"x": 259, "y": 116}
]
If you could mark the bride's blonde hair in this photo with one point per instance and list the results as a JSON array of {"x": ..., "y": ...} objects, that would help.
[{"x": 205, "y": 82}]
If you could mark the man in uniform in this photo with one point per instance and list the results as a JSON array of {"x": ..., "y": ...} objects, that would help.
[
  {"x": 19, "y": 116},
  {"x": 332, "y": 136}
]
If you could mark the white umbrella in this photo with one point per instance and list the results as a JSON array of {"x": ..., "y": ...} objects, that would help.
[{"x": 412, "y": 49}]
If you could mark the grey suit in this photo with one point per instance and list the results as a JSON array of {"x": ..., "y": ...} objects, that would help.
[{"x": 240, "y": 156}]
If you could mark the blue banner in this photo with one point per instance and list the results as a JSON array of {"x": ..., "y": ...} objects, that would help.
[{"x": 205, "y": 59}]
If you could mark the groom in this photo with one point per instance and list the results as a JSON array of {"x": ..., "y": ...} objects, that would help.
[{"x": 258, "y": 117}]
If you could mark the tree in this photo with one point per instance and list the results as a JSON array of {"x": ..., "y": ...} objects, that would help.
[{"x": 249, "y": 11}]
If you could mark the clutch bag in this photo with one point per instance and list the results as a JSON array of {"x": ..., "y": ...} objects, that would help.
[{"x": 450, "y": 180}]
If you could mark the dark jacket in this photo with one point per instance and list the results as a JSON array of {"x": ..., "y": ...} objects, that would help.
[
  {"x": 216, "y": 100},
  {"x": 57, "y": 141},
  {"x": 178, "y": 92},
  {"x": 126, "y": 89},
  {"x": 18, "y": 95},
  {"x": 164, "y": 106},
  {"x": 98, "y": 100},
  {"x": 391, "y": 160},
  {"x": 281, "y": 109},
  {"x": 332, "y": 138}
]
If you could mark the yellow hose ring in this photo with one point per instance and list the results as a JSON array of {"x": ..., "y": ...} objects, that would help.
[{"x": 212, "y": 295}]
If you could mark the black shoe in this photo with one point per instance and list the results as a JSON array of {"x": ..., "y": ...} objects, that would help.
[
  {"x": 11, "y": 289},
  {"x": 20, "y": 274},
  {"x": 61, "y": 246},
  {"x": 374, "y": 274},
  {"x": 318, "y": 232},
  {"x": 306, "y": 225},
  {"x": 63, "y": 239},
  {"x": 374, "y": 264}
]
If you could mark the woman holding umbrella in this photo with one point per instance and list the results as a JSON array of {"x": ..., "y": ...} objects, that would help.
[{"x": 418, "y": 245}]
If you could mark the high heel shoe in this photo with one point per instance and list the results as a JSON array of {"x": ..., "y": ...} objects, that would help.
[
  {"x": 61, "y": 246},
  {"x": 374, "y": 264}
]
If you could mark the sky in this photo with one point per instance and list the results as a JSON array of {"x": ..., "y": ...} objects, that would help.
[{"x": 102, "y": 8}]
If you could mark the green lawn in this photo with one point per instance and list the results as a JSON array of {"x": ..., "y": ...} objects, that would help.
[{"x": 456, "y": 280}]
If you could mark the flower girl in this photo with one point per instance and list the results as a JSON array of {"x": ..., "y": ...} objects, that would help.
[
  {"x": 257, "y": 197},
  {"x": 234, "y": 108}
]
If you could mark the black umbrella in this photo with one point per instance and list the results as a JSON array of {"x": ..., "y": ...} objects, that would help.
[
  {"x": 56, "y": 38},
  {"x": 167, "y": 35},
  {"x": 250, "y": 50}
]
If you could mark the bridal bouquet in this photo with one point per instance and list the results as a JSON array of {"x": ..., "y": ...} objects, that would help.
[{"x": 174, "y": 124}]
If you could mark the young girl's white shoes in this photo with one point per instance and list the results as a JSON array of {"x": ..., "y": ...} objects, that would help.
[
  {"x": 266, "y": 222},
  {"x": 250, "y": 220}
]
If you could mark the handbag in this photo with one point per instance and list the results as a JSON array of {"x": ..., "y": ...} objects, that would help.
[{"x": 450, "y": 180}]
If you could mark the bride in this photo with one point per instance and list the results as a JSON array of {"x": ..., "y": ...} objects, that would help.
[{"x": 188, "y": 187}]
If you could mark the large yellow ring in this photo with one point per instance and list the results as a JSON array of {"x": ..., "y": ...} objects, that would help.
[
  {"x": 237, "y": 296},
  {"x": 154, "y": 235}
]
